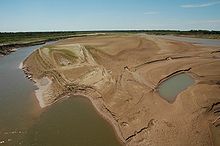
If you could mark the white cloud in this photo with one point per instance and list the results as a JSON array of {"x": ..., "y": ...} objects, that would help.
[
  {"x": 211, "y": 22},
  {"x": 200, "y": 5},
  {"x": 151, "y": 13}
]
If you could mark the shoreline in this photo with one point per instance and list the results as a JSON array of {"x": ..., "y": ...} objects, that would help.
[
  {"x": 40, "y": 91},
  {"x": 41, "y": 88},
  {"x": 97, "y": 106},
  {"x": 116, "y": 102},
  {"x": 21, "y": 66},
  {"x": 9, "y": 48},
  {"x": 6, "y": 49},
  {"x": 109, "y": 119}
]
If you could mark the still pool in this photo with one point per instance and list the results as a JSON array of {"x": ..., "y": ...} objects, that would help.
[{"x": 170, "y": 88}]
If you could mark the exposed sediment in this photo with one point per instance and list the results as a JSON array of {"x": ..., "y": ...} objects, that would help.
[
  {"x": 8, "y": 48},
  {"x": 119, "y": 75}
]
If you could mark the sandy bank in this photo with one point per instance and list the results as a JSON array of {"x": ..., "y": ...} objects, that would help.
[
  {"x": 119, "y": 74},
  {"x": 43, "y": 90},
  {"x": 20, "y": 65}
]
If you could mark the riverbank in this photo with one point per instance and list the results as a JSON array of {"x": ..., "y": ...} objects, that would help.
[
  {"x": 36, "y": 38},
  {"x": 8, "y": 48},
  {"x": 45, "y": 83},
  {"x": 119, "y": 73},
  {"x": 108, "y": 117}
]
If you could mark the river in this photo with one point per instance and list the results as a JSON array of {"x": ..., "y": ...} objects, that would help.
[{"x": 73, "y": 121}]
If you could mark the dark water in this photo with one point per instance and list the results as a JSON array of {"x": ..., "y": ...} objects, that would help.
[
  {"x": 170, "y": 88},
  {"x": 23, "y": 122}
]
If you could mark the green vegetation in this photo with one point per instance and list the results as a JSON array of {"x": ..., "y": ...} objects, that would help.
[{"x": 26, "y": 37}]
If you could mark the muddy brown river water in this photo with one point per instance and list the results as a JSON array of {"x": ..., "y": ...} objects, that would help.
[{"x": 22, "y": 122}]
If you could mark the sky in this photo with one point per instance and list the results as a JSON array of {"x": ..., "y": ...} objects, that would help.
[{"x": 75, "y": 15}]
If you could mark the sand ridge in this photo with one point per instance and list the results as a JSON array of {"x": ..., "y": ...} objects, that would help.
[{"x": 120, "y": 75}]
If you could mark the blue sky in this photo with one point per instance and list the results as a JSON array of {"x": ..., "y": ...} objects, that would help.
[{"x": 54, "y": 15}]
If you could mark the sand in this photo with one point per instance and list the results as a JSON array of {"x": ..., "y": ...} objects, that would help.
[
  {"x": 120, "y": 75},
  {"x": 20, "y": 65},
  {"x": 43, "y": 91}
]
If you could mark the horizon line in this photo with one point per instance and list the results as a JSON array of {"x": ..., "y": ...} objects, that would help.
[{"x": 108, "y": 30}]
